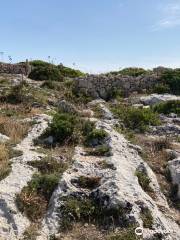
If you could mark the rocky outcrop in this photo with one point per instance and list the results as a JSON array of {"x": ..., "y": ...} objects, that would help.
[
  {"x": 103, "y": 86},
  {"x": 12, "y": 222},
  {"x": 4, "y": 138},
  {"x": 166, "y": 130},
  {"x": 157, "y": 98},
  {"x": 174, "y": 167},
  {"x": 119, "y": 186}
]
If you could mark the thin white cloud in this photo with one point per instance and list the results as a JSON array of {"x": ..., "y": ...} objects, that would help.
[{"x": 169, "y": 16}]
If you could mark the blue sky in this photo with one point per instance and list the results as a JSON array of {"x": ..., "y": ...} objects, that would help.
[{"x": 96, "y": 35}]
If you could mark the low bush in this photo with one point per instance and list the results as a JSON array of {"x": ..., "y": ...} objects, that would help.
[
  {"x": 136, "y": 119},
  {"x": 168, "y": 107},
  {"x": 161, "y": 88},
  {"x": 172, "y": 79},
  {"x": 49, "y": 166},
  {"x": 88, "y": 210},
  {"x": 132, "y": 71},
  {"x": 102, "y": 150},
  {"x": 69, "y": 72},
  {"x": 33, "y": 199},
  {"x": 62, "y": 127},
  {"x": 147, "y": 218},
  {"x": 96, "y": 137},
  {"x": 50, "y": 72},
  {"x": 47, "y": 71},
  {"x": 144, "y": 181},
  {"x": 18, "y": 94}
]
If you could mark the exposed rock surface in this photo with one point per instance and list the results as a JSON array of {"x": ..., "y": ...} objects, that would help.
[
  {"x": 174, "y": 167},
  {"x": 12, "y": 222},
  {"x": 157, "y": 98},
  {"x": 3, "y": 138},
  {"x": 166, "y": 130},
  {"x": 118, "y": 186}
]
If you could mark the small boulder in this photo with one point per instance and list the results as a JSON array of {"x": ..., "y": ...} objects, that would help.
[{"x": 157, "y": 98}]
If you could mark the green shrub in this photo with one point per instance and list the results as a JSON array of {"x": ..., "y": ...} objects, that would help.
[
  {"x": 87, "y": 127},
  {"x": 88, "y": 210},
  {"x": 40, "y": 63},
  {"x": 47, "y": 71},
  {"x": 18, "y": 93},
  {"x": 136, "y": 119},
  {"x": 147, "y": 218},
  {"x": 172, "y": 79},
  {"x": 49, "y": 166},
  {"x": 62, "y": 127},
  {"x": 144, "y": 181},
  {"x": 96, "y": 137},
  {"x": 33, "y": 199},
  {"x": 168, "y": 107},
  {"x": 161, "y": 88},
  {"x": 102, "y": 150},
  {"x": 50, "y": 72},
  {"x": 69, "y": 72},
  {"x": 132, "y": 71},
  {"x": 44, "y": 184}
]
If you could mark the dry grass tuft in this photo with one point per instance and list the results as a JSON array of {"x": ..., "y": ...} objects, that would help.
[
  {"x": 4, "y": 161},
  {"x": 80, "y": 232},
  {"x": 13, "y": 129}
]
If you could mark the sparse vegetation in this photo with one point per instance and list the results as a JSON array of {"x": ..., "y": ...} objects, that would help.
[
  {"x": 102, "y": 150},
  {"x": 62, "y": 127},
  {"x": 126, "y": 234},
  {"x": 171, "y": 77},
  {"x": 14, "y": 129},
  {"x": 34, "y": 198},
  {"x": 31, "y": 232},
  {"x": 144, "y": 181},
  {"x": 96, "y": 137},
  {"x": 161, "y": 88},
  {"x": 5, "y": 166},
  {"x": 132, "y": 71},
  {"x": 88, "y": 182},
  {"x": 147, "y": 218},
  {"x": 88, "y": 210},
  {"x": 17, "y": 94},
  {"x": 168, "y": 107},
  {"x": 136, "y": 119},
  {"x": 47, "y": 71}
]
